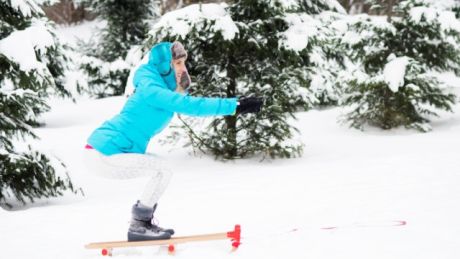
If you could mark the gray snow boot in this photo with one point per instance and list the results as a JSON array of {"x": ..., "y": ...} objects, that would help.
[
  {"x": 167, "y": 230},
  {"x": 141, "y": 227}
]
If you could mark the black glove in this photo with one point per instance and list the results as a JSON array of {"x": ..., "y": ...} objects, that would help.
[{"x": 249, "y": 105}]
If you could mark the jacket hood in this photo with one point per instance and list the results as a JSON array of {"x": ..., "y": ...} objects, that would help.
[{"x": 160, "y": 58}]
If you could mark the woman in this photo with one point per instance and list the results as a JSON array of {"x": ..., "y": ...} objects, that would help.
[{"x": 117, "y": 148}]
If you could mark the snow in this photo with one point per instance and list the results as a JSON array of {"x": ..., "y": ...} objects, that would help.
[
  {"x": 301, "y": 28},
  {"x": 394, "y": 72},
  {"x": 447, "y": 19},
  {"x": 287, "y": 3},
  {"x": 444, "y": 4},
  {"x": 304, "y": 27},
  {"x": 345, "y": 178},
  {"x": 377, "y": 23},
  {"x": 20, "y": 46},
  {"x": 449, "y": 78},
  {"x": 351, "y": 38},
  {"x": 6, "y": 86},
  {"x": 181, "y": 21},
  {"x": 332, "y": 5},
  {"x": 129, "y": 84},
  {"x": 118, "y": 64},
  {"x": 73, "y": 35},
  {"x": 26, "y": 7},
  {"x": 427, "y": 13},
  {"x": 86, "y": 30}
]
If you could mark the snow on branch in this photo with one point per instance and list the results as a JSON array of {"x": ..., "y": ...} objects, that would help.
[
  {"x": 21, "y": 46},
  {"x": 27, "y": 7},
  {"x": 395, "y": 71},
  {"x": 183, "y": 20}
]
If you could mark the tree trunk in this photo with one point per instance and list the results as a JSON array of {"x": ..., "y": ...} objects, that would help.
[
  {"x": 346, "y": 4},
  {"x": 231, "y": 120},
  {"x": 389, "y": 11},
  {"x": 66, "y": 12}
]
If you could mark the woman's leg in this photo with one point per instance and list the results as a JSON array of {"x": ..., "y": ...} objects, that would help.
[
  {"x": 129, "y": 166},
  {"x": 155, "y": 188}
]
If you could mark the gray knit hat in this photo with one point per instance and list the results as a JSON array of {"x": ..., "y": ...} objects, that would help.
[{"x": 178, "y": 50}]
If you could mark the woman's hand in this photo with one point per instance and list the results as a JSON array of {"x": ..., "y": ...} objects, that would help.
[{"x": 249, "y": 105}]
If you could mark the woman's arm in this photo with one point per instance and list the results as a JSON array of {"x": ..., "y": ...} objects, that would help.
[{"x": 163, "y": 98}]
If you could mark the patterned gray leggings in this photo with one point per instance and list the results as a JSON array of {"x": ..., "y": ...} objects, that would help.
[{"x": 129, "y": 166}]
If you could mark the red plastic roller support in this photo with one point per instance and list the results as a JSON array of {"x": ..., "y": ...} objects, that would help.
[
  {"x": 106, "y": 252},
  {"x": 171, "y": 249},
  {"x": 235, "y": 236}
]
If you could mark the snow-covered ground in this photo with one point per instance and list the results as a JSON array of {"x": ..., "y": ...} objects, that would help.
[
  {"x": 345, "y": 177},
  {"x": 358, "y": 182}
]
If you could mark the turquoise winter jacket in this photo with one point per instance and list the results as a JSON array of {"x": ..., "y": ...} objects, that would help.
[{"x": 152, "y": 106}]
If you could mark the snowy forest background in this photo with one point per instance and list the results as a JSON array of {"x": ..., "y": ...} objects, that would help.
[
  {"x": 360, "y": 125},
  {"x": 391, "y": 67}
]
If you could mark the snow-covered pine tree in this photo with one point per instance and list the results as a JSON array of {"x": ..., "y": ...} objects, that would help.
[
  {"x": 318, "y": 6},
  {"x": 31, "y": 67},
  {"x": 127, "y": 26},
  {"x": 238, "y": 51},
  {"x": 395, "y": 86},
  {"x": 315, "y": 32},
  {"x": 382, "y": 7}
]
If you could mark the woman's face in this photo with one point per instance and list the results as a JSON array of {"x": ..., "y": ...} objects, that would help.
[{"x": 180, "y": 69}]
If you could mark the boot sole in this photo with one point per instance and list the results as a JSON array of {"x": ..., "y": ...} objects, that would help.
[{"x": 132, "y": 237}]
